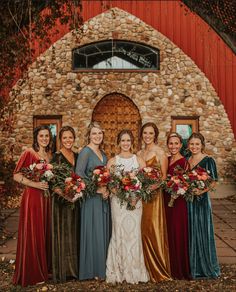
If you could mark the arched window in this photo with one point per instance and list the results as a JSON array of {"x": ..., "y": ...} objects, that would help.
[{"x": 116, "y": 54}]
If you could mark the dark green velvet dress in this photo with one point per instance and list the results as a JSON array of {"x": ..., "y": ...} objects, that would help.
[
  {"x": 202, "y": 249},
  {"x": 95, "y": 222},
  {"x": 65, "y": 234}
]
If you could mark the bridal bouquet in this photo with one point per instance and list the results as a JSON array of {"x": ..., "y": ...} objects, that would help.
[
  {"x": 70, "y": 184},
  {"x": 177, "y": 185},
  {"x": 129, "y": 188},
  {"x": 199, "y": 179},
  {"x": 39, "y": 171},
  {"x": 151, "y": 179}
]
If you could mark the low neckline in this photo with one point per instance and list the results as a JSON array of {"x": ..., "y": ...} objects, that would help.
[
  {"x": 38, "y": 157},
  {"x": 101, "y": 160},
  {"x": 170, "y": 164},
  {"x": 198, "y": 162},
  {"x": 67, "y": 159}
]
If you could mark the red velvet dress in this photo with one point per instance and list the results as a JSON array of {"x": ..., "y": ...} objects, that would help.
[
  {"x": 177, "y": 228},
  {"x": 33, "y": 257}
]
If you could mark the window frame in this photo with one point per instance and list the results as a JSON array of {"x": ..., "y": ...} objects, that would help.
[{"x": 156, "y": 50}]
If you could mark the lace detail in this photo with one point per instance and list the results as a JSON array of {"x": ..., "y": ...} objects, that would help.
[{"x": 125, "y": 261}]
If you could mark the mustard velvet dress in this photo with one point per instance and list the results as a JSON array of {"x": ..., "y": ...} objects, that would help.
[{"x": 154, "y": 235}]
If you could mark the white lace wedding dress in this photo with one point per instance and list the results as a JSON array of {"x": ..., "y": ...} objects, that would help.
[{"x": 125, "y": 260}]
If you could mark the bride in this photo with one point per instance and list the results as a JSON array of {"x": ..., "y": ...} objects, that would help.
[{"x": 125, "y": 260}]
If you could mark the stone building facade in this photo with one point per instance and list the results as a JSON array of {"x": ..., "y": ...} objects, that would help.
[{"x": 179, "y": 88}]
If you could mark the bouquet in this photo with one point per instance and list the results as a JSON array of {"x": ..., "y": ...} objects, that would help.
[
  {"x": 150, "y": 178},
  {"x": 72, "y": 186},
  {"x": 99, "y": 177},
  {"x": 39, "y": 171},
  {"x": 177, "y": 185},
  {"x": 199, "y": 179},
  {"x": 129, "y": 188}
]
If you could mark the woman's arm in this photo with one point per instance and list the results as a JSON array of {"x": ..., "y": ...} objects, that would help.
[{"x": 20, "y": 178}]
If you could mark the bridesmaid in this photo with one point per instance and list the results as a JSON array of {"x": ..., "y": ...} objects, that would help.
[
  {"x": 95, "y": 211},
  {"x": 65, "y": 220},
  {"x": 177, "y": 216},
  {"x": 33, "y": 256},
  {"x": 203, "y": 258},
  {"x": 154, "y": 232}
]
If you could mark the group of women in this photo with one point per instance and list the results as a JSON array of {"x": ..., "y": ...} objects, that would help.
[{"x": 103, "y": 240}]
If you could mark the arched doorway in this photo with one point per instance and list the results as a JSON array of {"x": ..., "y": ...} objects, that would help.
[{"x": 115, "y": 112}]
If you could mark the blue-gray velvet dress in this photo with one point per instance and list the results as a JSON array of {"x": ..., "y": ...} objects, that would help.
[
  {"x": 202, "y": 249},
  {"x": 95, "y": 222}
]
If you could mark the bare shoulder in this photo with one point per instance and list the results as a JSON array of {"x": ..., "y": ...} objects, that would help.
[
  {"x": 141, "y": 161},
  {"x": 140, "y": 153},
  {"x": 159, "y": 151}
]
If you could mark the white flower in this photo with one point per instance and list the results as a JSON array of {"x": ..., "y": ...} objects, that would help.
[
  {"x": 181, "y": 191},
  {"x": 48, "y": 174},
  {"x": 32, "y": 166}
]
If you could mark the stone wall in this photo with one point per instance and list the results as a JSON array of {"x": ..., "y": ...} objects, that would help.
[{"x": 178, "y": 89}]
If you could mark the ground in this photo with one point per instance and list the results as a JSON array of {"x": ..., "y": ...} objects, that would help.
[
  {"x": 224, "y": 215},
  {"x": 227, "y": 282}
]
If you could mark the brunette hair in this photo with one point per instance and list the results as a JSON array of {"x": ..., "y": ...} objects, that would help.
[
  {"x": 200, "y": 137},
  {"x": 176, "y": 135},
  {"x": 156, "y": 131},
  {"x": 64, "y": 129},
  {"x": 125, "y": 131},
  {"x": 35, "y": 144},
  {"x": 93, "y": 125}
]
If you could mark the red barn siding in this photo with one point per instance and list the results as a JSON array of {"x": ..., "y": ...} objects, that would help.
[{"x": 189, "y": 32}]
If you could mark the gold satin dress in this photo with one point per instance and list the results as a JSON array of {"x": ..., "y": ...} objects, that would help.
[{"x": 154, "y": 235}]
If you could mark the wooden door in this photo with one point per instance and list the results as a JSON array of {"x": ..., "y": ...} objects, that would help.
[{"x": 116, "y": 112}]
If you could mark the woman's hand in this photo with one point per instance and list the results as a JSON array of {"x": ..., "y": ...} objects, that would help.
[
  {"x": 58, "y": 191},
  {"x": 198, "y": 192},
  {"x": 41, "y": 185},
  {"x": 103, "y": 191}
]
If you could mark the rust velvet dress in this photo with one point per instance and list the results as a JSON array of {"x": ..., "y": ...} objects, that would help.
[
  {"x": 154, "y": 235},
  {"x": 33, "y": 256},
  {"x": 177, "y": 227}
]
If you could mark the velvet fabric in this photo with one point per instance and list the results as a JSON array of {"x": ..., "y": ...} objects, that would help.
[
  {"x": 95, "y": 222},
  {"x": 177, "y": 227},
  {"x": 65, "y": 233},
  {"x": 154, "y": 235},
  {"x": 33, "y": 256},
  {"x": 203, "y": 258}
]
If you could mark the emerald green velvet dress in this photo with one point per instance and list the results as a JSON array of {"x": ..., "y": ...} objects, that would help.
[
  {"x": 65, "y": 233},
  {"x": 202, "y": 249}
]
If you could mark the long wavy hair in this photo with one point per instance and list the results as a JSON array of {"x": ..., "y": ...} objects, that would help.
[
  {"x": 156, "y": 131},
  {"x": 35, "y": 144}
]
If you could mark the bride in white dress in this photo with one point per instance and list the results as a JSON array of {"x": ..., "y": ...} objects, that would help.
[{"x": 125, "y": 260}]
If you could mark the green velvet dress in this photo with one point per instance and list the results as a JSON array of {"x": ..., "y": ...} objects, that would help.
[
  {"x": 65, "y": 233},
  {"x": 202, "y": 249},
  {"x": 95, "y": 222}
]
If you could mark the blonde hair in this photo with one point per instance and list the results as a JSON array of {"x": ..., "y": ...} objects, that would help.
[{"x": 90, "y": 127}]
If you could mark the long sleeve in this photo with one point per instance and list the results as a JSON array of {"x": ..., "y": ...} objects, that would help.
[{"x": 82, "y": 163}]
